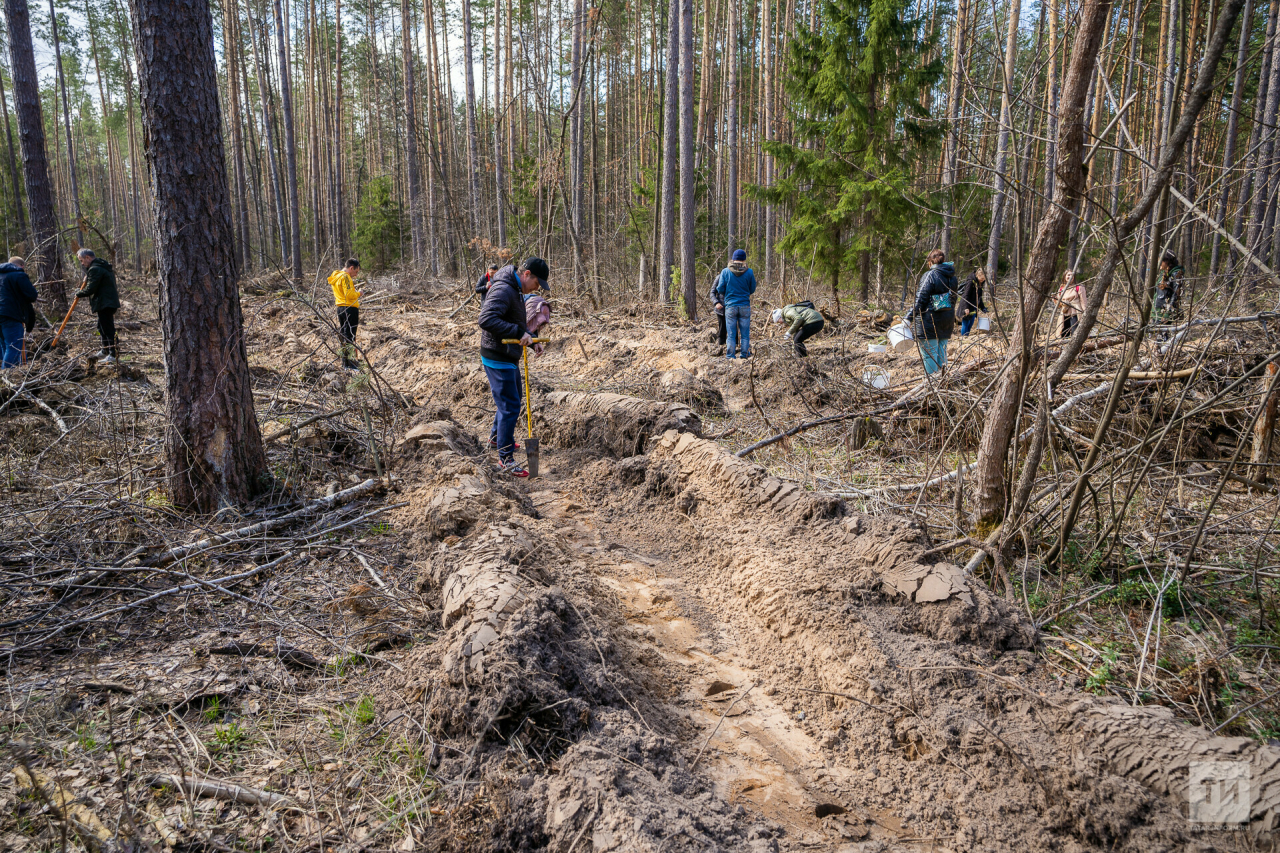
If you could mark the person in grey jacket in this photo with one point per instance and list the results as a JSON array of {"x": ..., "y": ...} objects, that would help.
[{"x": 933, "y": 316}]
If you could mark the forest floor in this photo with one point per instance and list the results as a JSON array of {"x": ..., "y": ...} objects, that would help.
[{"x": 655, "y": 645}]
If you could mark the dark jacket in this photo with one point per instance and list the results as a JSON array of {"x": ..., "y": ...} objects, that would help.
[
  {"x": 1167, "y": 297},
  {"x": 971, "y": 297},
  {"x": 16, "y": 295},
  {"x": 716, "y": 299},
  {"x": 482, "y": 286},
  {"x": 100, "y": 286},
  {"x": 502, "y": 316},
  {"x": 934, "y": 315}
]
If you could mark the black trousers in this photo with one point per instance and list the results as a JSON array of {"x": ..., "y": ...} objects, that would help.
[
  {"x": 348, "y": 322},
  {"x": 722, "y": 333},
  {"x": 1069, "y": 325},
  {"x": 808, "y": 330},
  {"x": 107, "y": 329}
]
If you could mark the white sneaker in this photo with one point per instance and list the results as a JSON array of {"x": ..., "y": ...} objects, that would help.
[
  {"x": 111, "y": 359},
  {"x": 100, "y": 355}
]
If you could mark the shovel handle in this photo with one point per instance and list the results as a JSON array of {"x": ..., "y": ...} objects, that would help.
[
  {"x": 534, "y": 341},
  {"x": 65, "y": 319}
]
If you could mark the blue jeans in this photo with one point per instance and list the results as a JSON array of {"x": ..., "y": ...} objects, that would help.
[
  {"x": 737, "y": 320},
  {"x": 935, "y": 354},
  {"x": 505, "y": 385},
  {"x": 11, "y": 335},
  {"x": 967, "y": 323}
]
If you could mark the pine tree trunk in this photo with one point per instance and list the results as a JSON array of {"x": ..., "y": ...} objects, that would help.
[
  {"x": 411, "y": 138},
  {"x": 731, "y": 133},
  {"x": 290, "y": 148},
  {"x": 1002, "y": 144},
  {"x": 499, "y": 119},
  {"x": 13, "y": 164},
  {"x": 212, "y": 442},
  {"x": 339, "y": 209},
  {"x": 66, "y": 118},
  {"x": 670, "y": 154},
  {"x": 575, "y": 120},
  {"x": 688, "y": 177},
  {"x": 473, "y": 141},
  {"x": 229, "y": 27},
  {"x": 269, "y": 141},
  {"x": 952, "y": 146},
  {"x": 35, "y": 164}
]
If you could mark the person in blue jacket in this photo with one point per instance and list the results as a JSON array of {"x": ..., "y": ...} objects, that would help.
[
  {"x": 16, "y": 315},
  {"x": 503, "y": 317},
  {"x": 734, "y": 288}
]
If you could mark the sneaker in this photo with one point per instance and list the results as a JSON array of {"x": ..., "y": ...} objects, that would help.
[
  {"x": 514, "y": 468},
  {"x": 111, "y": 359},
  {"x": 100, "y": 355},
  {"x": 493, "y": 445}
]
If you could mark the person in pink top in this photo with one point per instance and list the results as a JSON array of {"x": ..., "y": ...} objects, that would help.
[{"x": 1072, "y": 298}]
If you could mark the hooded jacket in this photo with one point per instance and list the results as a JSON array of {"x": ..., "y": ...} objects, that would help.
[
  {"x": 502, "y": 316},
  {"x": 934, "y": 315},
  {"x": 736, "y": 285},
  {"x": 100, "y": 286},
  {"x": 1167, "y": 296},
  {"x": 16, "y": 295},
  {"x": 971, "y": 297},
  {"x": 345, "y": 294},
  {"x": 800, "y": 316}
]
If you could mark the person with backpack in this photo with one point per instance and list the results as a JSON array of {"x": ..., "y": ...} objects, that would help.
[
  {"x": 104, "y": 300},
  {"x": 933, "y": 316},
  {"x": 347, "y": 300},
  {"x": 1168, "y": 289},
  {"x": 971, "y": 300},
  {"x": 482, "y": 286},
  {"x": 737, "y": 283},
  {"x": 16, "y": 314},
  {"x": 805, "y": 323}
]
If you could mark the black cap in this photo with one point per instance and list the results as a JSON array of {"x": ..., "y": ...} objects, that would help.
[{"x": 540, "y": 270}]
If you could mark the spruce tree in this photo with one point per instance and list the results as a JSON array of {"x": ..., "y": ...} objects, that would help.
[{"x": 856, "y": 85}]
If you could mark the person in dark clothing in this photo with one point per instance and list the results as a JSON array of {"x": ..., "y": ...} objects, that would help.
[
  {"x": 482, "y": 286},
  {"x": 971, "y": 300},
  {"x": 104, "y": 300},
  {"x": 16, "y": 315},
  {"x": 503, "y": 317},
  {"x": 718, "y": 301},
  {"x": 1168, "y": 289},
  {"x": 933, "y": 316}
]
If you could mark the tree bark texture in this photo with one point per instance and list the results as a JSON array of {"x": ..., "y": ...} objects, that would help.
[
  {"x": 213, "y": 446},
  {"x": 1038, "y": 278},
  {"x": 688, "y": 177},
  {"x": 416, "y": 241},
  {"x": 670, "y": 154},
  {"x": 290, "y": 149},
  {"x": 35, "y": 163}
]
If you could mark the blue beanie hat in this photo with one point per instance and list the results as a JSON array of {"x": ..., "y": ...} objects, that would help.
[{"x": 739, "y": 254}]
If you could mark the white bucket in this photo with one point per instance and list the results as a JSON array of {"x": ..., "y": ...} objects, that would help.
[
  {"x": 900, "y": 338},
  {"x": 875, "y": 377},
  {"x": 984, "y": 325},
  {"x": 877, "y": 348}
]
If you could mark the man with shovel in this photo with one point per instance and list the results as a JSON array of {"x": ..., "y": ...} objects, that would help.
[{"x": 503, "y": 317}]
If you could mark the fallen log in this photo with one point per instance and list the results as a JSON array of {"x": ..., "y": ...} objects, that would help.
[{"x": 205, "y": 787}]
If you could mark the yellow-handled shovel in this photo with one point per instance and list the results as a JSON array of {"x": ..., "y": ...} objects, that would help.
[{"x": 530, "y": 443}]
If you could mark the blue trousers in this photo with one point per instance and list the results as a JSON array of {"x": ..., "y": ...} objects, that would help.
[
  {"x": 505, "y": 385},
  {"x": 935, "y": 354},
  {"x": 737, "y": 320},
  {"x": 967, "y": 323},
  {"x": 11, "y": 335}
]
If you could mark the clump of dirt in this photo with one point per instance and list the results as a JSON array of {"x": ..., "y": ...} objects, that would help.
[{"x": 612, "y": 424}]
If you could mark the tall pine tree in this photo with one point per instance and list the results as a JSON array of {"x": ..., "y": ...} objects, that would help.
[{"x": 856, "y": 85}]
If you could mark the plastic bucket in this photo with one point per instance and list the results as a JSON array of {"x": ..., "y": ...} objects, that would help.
[
  {"x": 877, "y": 348},
  {"x": 876, "y": 377},
  {"x": 900, "y": 338},
  {"x": 984, "y": 325}
]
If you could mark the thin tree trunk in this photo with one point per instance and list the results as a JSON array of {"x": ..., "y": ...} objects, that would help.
[
  {"x": 290, "y": 147},
  {"x": 339, "y": 208},
  {"x": 1002, "y": 144},
  {"x": 213, "y": 446},
  {"x": 411, "y": 138},
  {"x": 953, "y": 121},
  {"x": 732, "y": 129},
  {"x": 688, "y": 177},
  {"x": 35, "y": 164},
  {"x": 1233, "y": 129},
  {"x": 13, "y": 164},
  {"x": 229, "y": 29},
  {"x": 269, "y": 140},
  {"x": 670, "y": 154},
  {"x": 66, "y": 118},
  {"x": 473, "y": 141}
]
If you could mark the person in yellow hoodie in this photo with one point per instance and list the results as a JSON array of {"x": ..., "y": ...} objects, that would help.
[{"x": 347, "y": 298}]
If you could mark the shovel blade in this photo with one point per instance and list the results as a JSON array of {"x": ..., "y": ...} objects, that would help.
[{"x": 531, "y": 455}]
